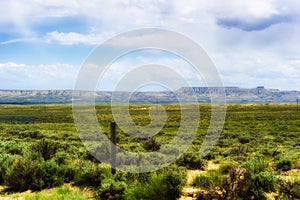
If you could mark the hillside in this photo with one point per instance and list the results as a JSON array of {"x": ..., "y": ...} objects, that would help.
[{"x": 203, "y": 94}]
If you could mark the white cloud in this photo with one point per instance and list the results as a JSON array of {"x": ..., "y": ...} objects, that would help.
[
  {"x": 252, "y": 68},
  {"x": 246, "y": 9},
  {"x": 22, "y": 76},
  {"x": 137, "y": 62},
  {"x": 118, "y": 16},
  {"x": 221, "y": 27},
  {"x": 72, "y": 38}
]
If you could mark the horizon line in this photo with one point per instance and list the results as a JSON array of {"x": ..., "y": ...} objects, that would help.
[{"x": 237, "y": 87}]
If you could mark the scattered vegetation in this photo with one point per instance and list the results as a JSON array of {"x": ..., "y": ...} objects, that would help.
[{"x": 257, "y": 152}]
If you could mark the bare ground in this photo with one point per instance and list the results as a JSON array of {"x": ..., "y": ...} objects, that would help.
[{"x": 189, "y": 192}]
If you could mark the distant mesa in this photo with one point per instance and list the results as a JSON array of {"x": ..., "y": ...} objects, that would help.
[{"x": 260, "y": 94}]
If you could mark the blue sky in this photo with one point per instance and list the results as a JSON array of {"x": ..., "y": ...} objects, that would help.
[{"x": 43, "y": 43}]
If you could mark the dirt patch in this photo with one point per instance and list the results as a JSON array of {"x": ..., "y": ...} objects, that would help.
[{"x": 189, "y": 192}]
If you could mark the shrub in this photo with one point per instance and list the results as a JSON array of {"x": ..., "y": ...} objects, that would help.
[
  {"x": 210, "y": 180},
  {"x": 151, "y": 144},
  {"x": 284, "y": 164},
  {"x": 255, "y": 185},
  {"x": 267, "y": 181},
  {"x": 218, "y": 186},
  {"x": 164, "y": 185},
  {"x": 257, "y": 179},
  {"x": 290, "y": 189},
  {"x": 68, "y": 172},
  {"x": 248, "y": 183},
  {"x": 256, "y": 165},
  {"x": 5, "y": 162},
  {"x": 47, "y": 174},
  {"x": 152, "y": 189},
  {"x": 270, "y": 152},
  {"x": 13, "y": 147},
  {"x": 227, "y": 167},
  {"x": 232, "y": 187},
  {"x": 210, "y": 156},
  {"x": 88, "y": 174},
  {"x": 239, "y": 150},
  {"x": 61, "y": 158},
  {"x": 19, "y": 175},
  {"x": 26, "y": 174},
  {"x": 175, "y": 181},
  {"x": 191, "y": 161},
  {"x": 61, "y": 193},
  {"x": 33, "y": 134},
  {"x": 112, "y": 190},
  {"x": 47, "y": 148},
  {"x": 244, "y": 140}
]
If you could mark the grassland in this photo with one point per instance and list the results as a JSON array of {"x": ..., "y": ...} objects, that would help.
[{"x": 257, "y": 154}]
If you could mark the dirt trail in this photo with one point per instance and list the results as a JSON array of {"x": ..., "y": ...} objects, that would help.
[{"x": 189, "y": 192}]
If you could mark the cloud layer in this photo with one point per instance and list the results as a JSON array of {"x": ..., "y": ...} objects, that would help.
[
  {"x": 251, "y": 42},
  {"x": 22, "y": 76}
]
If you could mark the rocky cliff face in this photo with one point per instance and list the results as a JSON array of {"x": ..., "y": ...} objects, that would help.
[{"x": 242, "y": 95}]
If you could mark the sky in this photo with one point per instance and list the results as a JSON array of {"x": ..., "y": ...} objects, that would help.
[{"x": 44, "y": 43}]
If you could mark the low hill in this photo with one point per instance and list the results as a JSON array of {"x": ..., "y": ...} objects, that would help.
[{"x": 186, "y": 94}]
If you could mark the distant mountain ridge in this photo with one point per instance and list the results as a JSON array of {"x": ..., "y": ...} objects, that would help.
[{"x": 203, "y": 94}]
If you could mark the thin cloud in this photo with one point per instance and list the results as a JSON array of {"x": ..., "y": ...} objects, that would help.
[
  {"x": 10, "y": 41},
  {"x": 17, "y": 40}
]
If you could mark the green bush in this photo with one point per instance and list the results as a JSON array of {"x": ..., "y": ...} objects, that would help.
[
  {"x": 26, "y": 174},
  {"x": 191, "y": 161},
  {"x": 152, "y": 189},
  {"x": 165, "y": 185},
  {"x": 239, "y": 151},
  {"x": 19, "y": 175},
  {"x": 284, "y": 164},
  {"x": 250, "y": 182},
  {"x": 46, "y": 175},
  {"x": 61, "y": 158},
  {"x": 290, "y": 189},
  {"x": 61, "y": 193},
  {"x": 33, "y": 134},
  {"x": 255, "y": 185},
  {"x": 112, "y": 190},
  {"x": 267, "y": 181},
  {"x": 244, "y": 140},
  {"x": 88, "y": 174},
  {"x": 47, "y": 148},
  {"x": 220, "y": 186},
  {"x": 175, "y": 180},
  {"x": 5, "y": 162},
  {"x": 68, "y": 172},
  {"x": 258, "y": 179},
  {"x": 256, "y": 165},
  {"x": 232, "y": 187},
  {"x": 13, "y": 147},
  {"x": 210, "y": 156},
  {"x": 151, "y": 144},
  {"x": 227, "y": 167},
  {"x": 209, "y": 180}
]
